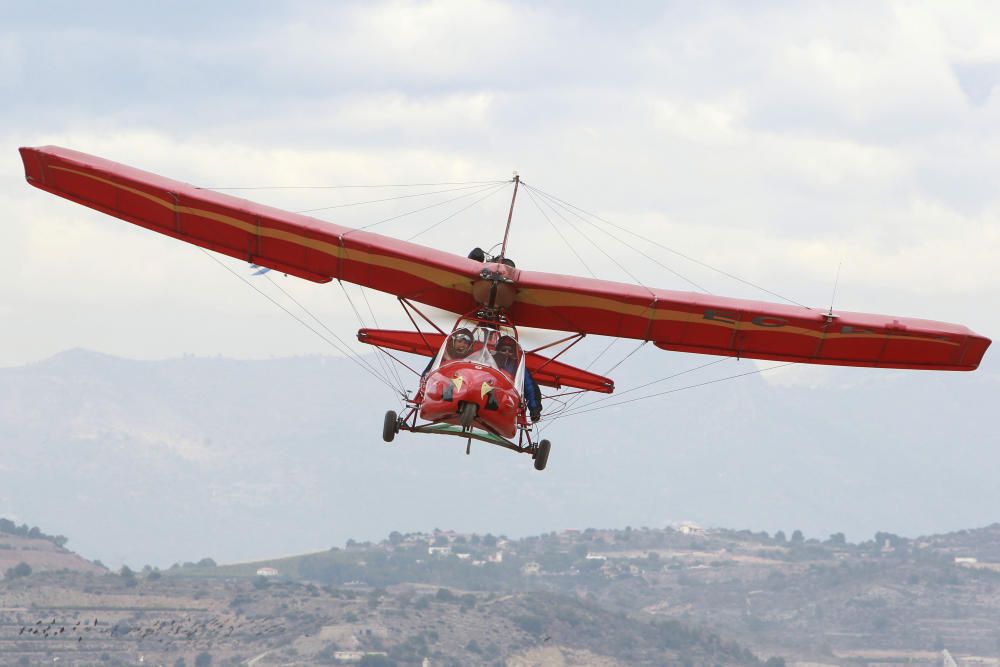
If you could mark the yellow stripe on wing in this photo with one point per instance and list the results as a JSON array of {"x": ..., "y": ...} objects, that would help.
[
  {"x": 439, "y": 277},
  {"x": 558, "y": 298}
]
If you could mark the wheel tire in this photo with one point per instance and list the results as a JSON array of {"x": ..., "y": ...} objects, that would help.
[
  {"x": 390, "y": 426},
  {"x": 467, "y": 415},
  {"x": 542, "y": 454}
]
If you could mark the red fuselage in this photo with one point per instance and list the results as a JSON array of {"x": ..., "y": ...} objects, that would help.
[{"x": 455, "y": 383}]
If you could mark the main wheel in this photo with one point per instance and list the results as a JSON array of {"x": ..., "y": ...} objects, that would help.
[
  {"x": 390, "y": 426},
  {"x": 467, "y": 415},
  {"x": 542, "y": 454}
]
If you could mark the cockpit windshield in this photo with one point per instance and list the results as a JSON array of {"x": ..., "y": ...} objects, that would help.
[{"x": 488, "y": 346}]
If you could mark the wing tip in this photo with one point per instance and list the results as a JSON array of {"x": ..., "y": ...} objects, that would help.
[{"x": 33, "y": 172}]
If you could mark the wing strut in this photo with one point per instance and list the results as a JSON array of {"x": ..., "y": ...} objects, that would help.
[{"x": 510, "y": 215}]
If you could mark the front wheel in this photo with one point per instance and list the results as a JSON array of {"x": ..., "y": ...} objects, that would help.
[
  {"x": 467, "y": 415},
  {"x": 390, "y": 426},
  {"x": 542, "y": 454}
]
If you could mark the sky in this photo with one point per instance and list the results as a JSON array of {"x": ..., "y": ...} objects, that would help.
[{"x": 827, "y": 151}]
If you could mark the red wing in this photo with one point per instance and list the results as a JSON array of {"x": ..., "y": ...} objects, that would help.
[
  {"x": 543, "y": 370},
  {"x": 288, "y": 242},
  {"x": 689, "y": 322},
  {"x": 320, "y": 251}
]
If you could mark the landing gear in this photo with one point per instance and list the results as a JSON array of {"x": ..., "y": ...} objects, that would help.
[
  {"x": 390, "y": 427},
  {"x": 541, "y": 455}
]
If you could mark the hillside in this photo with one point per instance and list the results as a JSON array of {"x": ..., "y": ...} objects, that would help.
[
  {"x": 20, "y": 545},
  {"x": 888, "y": 598},
  {"x": 609, "y": 597},
  {"x": 86, "y": 620}
]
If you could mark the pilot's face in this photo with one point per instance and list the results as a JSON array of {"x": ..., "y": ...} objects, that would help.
[
  {"x": 462, "y": 345},
  {"x": 506, "y": 351}
]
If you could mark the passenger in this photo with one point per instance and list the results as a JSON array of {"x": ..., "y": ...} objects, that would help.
[{"x": 507, "y": 360}]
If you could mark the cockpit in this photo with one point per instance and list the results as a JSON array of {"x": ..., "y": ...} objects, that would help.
[{"x": 494, "y": 347}]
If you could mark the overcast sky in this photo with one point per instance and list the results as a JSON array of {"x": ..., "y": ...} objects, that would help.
[{"x": 775, "y": 141}]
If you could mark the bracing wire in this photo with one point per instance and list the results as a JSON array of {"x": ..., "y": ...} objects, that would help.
[
  {"x": 596, "y": 245},
  {"x": 617, "y": 395},
  {"x": 675, "y": 252},
  {"x": 628, "y": 245},
  {"x": 479, "y": 188},
  {"x": 568, "y": 405},
  {"x": 559, "y": 233},
  {"x": 418, "y": 210},
  {"x": 347, "y": 353},
  {"x": 385, "y": 373},
  {"x": 625, "y": 358},
  {"x": 357, "y": 314},
  {"x": 573, "y": 400},
  {"x": 345, "y": 187},
  {"x": 371, "y": 312},
  {"x": 582, "y": 410},
  {"x": 387, "y": 366},
  {"x": 322, "y": 324},
  {"x": 461, "y": 210}
]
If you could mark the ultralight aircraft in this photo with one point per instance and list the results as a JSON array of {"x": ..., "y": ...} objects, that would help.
[{"x": 475, "y": 384}]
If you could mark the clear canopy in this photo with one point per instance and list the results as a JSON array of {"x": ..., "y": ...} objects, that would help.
[{"x": 495, "y": 347}]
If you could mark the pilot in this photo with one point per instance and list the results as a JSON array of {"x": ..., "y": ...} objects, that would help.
[
  {"x": 507, "y": 360},
  {"x": 459, "y": 347}
]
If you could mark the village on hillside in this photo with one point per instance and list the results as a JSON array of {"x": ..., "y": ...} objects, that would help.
[{"x": 594, "y": 596}]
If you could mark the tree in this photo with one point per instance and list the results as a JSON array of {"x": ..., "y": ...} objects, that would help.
[
  {"x": 798, "y": 537},
  {"x": 839, "y": 539},
  {"x": 372, "y": 660},
  {"x": 395, "y": 538},
  {"x": 445, "y": 595},
  {"x": 779, "y": 537},
  {"x": 22, "y": 569},
  {"x": 128, "y": 576}
]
